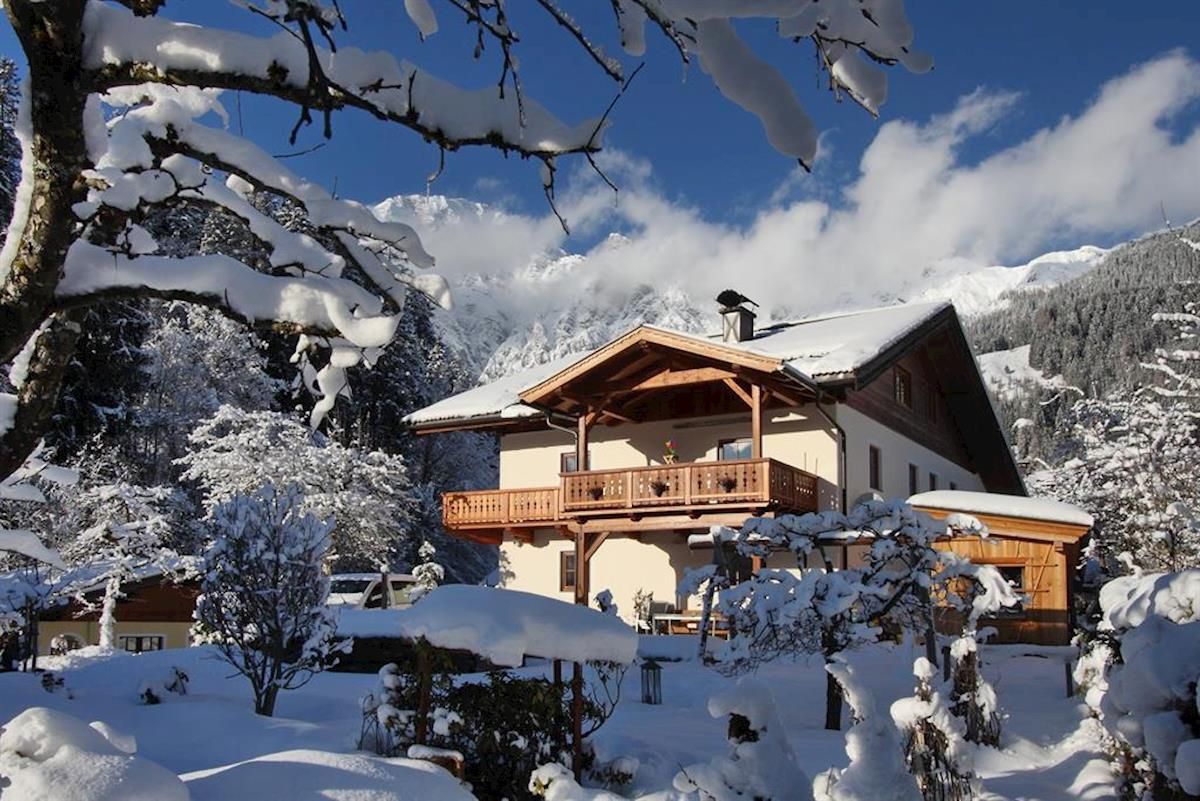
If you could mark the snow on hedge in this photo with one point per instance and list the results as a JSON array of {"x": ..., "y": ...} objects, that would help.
[
  {"x": 504, "y": 626},
  {"x": 305, "y": 773},
  {"x": 1147, "y": 699},
  {"x": 48, "y": 755},
  {"x": 990, "y": 503},
  {"x": 1128, "y": 600}
]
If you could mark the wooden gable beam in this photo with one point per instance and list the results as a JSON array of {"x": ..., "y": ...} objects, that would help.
[
  {"x": 644, "y": 337},
  {"x": 741, "y": 393},
  {"x": 678, "y": 378}
]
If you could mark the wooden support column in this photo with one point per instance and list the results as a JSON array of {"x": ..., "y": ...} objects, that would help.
[
  {"x": 581, "y": 441},
  {"x": 756, "y": 430}
]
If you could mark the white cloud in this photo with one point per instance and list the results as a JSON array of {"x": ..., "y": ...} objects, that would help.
[{"x": 915, "y": 202}]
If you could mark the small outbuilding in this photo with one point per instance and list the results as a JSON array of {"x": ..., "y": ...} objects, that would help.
[{"x": 1035, "y": 543}]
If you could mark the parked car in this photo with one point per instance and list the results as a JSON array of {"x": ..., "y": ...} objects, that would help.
[{"x": 364, "y": 590}]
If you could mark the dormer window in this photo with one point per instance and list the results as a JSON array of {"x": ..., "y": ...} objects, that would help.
[{"x": 903, "y": 388}]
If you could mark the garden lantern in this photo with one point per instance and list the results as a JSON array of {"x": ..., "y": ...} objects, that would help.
[{"x": 651, "y": 682}]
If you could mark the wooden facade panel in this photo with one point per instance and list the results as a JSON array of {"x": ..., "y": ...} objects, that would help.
[
  {"x": 1046, "y": 617},
  {"x": 940, "y": 433}
]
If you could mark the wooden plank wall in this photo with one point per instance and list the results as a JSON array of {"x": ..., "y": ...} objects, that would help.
[
  {"x": 877, "y": 400},
  {"x": 1046, "y": 619}
]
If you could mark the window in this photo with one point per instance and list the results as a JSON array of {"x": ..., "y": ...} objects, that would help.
[
  {"x": 731, "y": 450},
  {"x": 913, "y": 480},
  {"x": 1015, "y": 576},
  {"x": 931, "y": 405},
  {"x": 875, "y": 478},
  {"x": 566, "y": 571},
  {"x": 933, "y": 481},
  {"x": 568, "y": 462},
  {"x": 903, "y": 388},
  {"x": 953, "y": 485},
  {"x": 141, "y": 642}
]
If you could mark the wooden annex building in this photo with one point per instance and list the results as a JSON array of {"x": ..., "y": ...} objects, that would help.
[{"x": 1035, "y": 543}]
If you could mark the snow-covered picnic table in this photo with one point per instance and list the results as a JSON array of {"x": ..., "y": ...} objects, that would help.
[{"x": 503, "y": 626}]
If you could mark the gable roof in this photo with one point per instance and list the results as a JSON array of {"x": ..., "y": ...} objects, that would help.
[{"x": 831, "y": 349}]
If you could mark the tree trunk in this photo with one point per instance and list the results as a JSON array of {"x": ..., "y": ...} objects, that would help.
[
  {"x": 108, "y": 614},
  {"x": 264, "y": 702},
  {"x": 51, "y": 35},
  {"x": 833, "y": 703}
]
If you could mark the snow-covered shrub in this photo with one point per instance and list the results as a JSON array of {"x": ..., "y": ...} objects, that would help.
[
  {"x": 643, "y": 610},
  {"x": 263, "y": 594},
  {"x": 761, "y": 766},
  {"x": 877, "y": 769},
  {"x": 554, "y": 782},
  {"x": 776, "y": 612},
  {"x": 935, "y": 745},
  {"x": 174, "y": 681},
  {"x": 973, "y": 699},
  {"x": 1145, "y": 696},
  {"x": 505, "y": 726},
  {"x": 51, "y": 756},
  {"x": 429, "y": 574}
]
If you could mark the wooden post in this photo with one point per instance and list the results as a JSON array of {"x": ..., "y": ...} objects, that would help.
[
  {"x": 424, "y": 692},
  {"x": 577, "y": 720},
  {"x": 756, "y": 431},
  {"x": 581, "y": 597},
  {"x": 581, "y": 442}
]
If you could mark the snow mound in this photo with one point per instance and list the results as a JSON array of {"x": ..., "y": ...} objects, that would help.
[
  {"x": 307, "y": 775},
  {"x": 1128, "y": 601},
  {"x": 51, "y": 756},
  {"x": 504, "y": 626}
]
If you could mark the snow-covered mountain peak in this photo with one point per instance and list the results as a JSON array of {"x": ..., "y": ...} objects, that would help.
[{"x": 537, "y": 302}]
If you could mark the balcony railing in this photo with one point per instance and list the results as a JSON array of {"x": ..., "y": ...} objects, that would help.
[{"x": 693, "y": 488}]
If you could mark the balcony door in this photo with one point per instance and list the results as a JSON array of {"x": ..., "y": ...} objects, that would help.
[{"x": 735, "y": 450}]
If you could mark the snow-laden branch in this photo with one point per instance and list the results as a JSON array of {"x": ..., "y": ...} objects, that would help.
[
  {"x": 125, "y": 50},
  {"x": 327, "y": 304}
]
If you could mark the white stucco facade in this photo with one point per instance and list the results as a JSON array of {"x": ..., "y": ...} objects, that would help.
[
  {"x": 655, "y": 561},
  {"x": 897, "y": 452}
]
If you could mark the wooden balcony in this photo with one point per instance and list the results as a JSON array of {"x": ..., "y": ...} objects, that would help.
[{"x": 696, "y": 488}]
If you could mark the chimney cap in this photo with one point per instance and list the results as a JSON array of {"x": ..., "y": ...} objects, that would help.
[{"x": 731, "y": 298}]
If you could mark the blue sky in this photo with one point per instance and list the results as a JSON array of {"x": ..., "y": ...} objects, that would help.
[{"x": 680, "y": 149}]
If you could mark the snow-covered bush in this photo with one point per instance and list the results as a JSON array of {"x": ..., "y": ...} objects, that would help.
[
  {"x": 505, "y": 727},
  {"x": 429, "y": 574},
  {"x": 935, "y": 745},
  {"x": 51, "y": 756},
  {"x": 761, "y": 765},
  {"x": 1145, "y": 695},
  {"x": 263, "y": 594},
  {"x": 877, "y": 768},
  {"x": 153, "y": 690},
  {"x": 554, "y": 782},
  {"x": 825, "y": 611},
  {"x": 237, "y": 451},
  {"x": 973, "y": 699}
]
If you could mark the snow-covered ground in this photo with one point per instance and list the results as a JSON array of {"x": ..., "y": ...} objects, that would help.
[{"x": 221, "y": 750}]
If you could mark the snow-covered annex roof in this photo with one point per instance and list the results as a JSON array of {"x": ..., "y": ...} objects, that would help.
[
  {"x": 986, "y": 503},
  {"x": 823, "y": 349},
  {"x": 503, "y": 626}
]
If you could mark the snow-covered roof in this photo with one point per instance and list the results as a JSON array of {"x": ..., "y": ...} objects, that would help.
[
  {"x": 988, "y": 503},
  {"x": 818, "y": 348},
  {"x": 503, "y": 626},
  {"x": 839, "y": 344},
  {"x": 499, "y": 399}
]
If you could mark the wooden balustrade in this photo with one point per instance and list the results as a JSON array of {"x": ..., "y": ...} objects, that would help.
[
  {"x": 500, "y": 507},
  {"x": 691, "y": 487}
]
